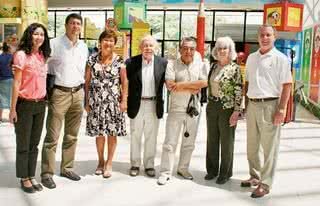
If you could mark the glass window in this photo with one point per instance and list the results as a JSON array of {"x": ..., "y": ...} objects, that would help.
[
  {"x": 171, "y": 50},
  {"x": 254, "y": 19},
  {"x": 229, "y": 24},
  {"x": 91, "y": 44},
  {"x": 209, "y": 24},
  {"x": 94, "y": 24},
  {"x": 51, "y": 24},
  {"x": 172, "y": 25},
  {"x": 207, "y": 51},
  {"x": 189, "y": 24},
  {"x": 155, "y": 19},
  {"x": 158, "y": 50},
  {"x": 10, "y": 29},
  {"x": 110, "y": 14},
  {"x": 61, "y": 18}
]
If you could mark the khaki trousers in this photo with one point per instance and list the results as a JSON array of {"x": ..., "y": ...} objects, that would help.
[
  {"x": 262, "y": 139},
  {"x": 175, "y": 122},
  {"x": 64, "y": 107},
  {"x": 146, "y": 123}
]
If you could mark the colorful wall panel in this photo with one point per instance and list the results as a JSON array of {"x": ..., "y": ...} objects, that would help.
[
  {"x": 298, "y": 57},
  {"x": 290, "y": 48},
  {"x": 315, "y": 65},
  {"x": 306, "y": 57}
]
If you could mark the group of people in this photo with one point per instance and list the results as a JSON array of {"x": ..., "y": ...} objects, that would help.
[{"x": 113, "y": 86}]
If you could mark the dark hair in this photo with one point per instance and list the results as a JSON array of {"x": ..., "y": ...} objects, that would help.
[
  {"x": 73, "y": 16},
  {"x": 26, "y": 40},
  {"x": 5, "y": 47},
  {"x": 188, "y": 39},
  {"x": 108, "y": 34}
]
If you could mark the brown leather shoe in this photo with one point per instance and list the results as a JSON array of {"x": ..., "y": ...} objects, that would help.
[
  {"x": 185, "y": 174},
  {"x": 252, "y": 181},
  {"x": 261, "y": 191}
]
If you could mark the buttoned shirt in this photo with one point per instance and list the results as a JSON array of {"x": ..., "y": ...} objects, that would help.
[
  {"x": 148, "y": 84},
  {"x": 180, "y": 72},
  {"x": 34, "y": 73},
  {"x": 68, "y": 61},
  {"x": 266, "y": 73}
]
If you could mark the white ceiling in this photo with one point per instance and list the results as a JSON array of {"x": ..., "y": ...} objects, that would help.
[{"x": 102, "y": 4}]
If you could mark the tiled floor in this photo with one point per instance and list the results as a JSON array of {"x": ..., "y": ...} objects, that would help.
[{"x": 297, "y": 179}]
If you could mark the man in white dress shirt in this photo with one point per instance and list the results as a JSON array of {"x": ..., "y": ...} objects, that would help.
[
  {"x": 268, "y": 84},
  {"x": 67, "y": 64},
  {"x": 145, "y": 73}
]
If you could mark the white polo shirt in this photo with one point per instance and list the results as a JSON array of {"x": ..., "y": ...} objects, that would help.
[
  {"x": 266, "y": 73},
  {"x": 180, "y": 72},
  {"x": 67, "y": 61},
  {"x": 148, "y": 84}
]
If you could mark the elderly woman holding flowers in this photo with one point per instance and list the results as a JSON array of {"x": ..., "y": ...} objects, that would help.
[{"x": 223, "y": 109}]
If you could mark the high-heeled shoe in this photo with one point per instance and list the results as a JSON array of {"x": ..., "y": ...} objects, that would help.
[
  {"x": 107, "y": 172},
  {"x": 26, "y": 189},
  {"x": 99, "y": 171}
]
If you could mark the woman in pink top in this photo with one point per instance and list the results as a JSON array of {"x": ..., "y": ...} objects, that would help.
[{"x": 27, "y": 105}]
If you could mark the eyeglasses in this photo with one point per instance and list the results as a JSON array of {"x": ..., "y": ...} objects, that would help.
[{"x": 188, "y": 48}]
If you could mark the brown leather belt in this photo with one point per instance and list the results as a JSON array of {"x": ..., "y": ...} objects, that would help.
[
  {"x": 148, "y": 98},
  {"x": 21, "y": 99},
  {"x": 68, "y": 89},
  {"x": 264, "y": 99}
]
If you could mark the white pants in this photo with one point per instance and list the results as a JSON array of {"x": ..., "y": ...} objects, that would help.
[
  {"x": 145, "y": 123},
  {"x": 175, "y": 122}
]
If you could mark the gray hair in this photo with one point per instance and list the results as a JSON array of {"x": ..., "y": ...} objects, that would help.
[
  {"x": 224, "y": 42},
  {"x": 148, "y": 37},
  {"x": 188, "y": 39}
]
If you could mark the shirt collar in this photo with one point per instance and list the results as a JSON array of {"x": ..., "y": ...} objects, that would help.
[
  {"x": 144, "y": 62},
  {"x": 187, "y": 65},
  {"x": 269, "y": 53},
  {"x": 68, "y": 42}
]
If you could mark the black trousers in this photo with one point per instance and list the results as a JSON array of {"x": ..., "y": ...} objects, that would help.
[
  {"x": 219, "y": 136},
  {"x": 28, "y": 130}
]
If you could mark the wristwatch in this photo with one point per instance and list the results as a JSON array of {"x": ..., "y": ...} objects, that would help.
[{"x": 281, "y": 111}]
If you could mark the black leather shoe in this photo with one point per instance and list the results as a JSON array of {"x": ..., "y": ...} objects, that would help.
[
  {"x": 222, "y": 180},
  {"x": 48, "y": 182},
  {"x": 134, "y": 171},
  {"x": 38, "y": 187},
  {"x": 71, "y": 175},
  {"x": 150, "y": 172},
  {"x": 27, "y": 189},
  {"x": 209, "y": 176}
]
